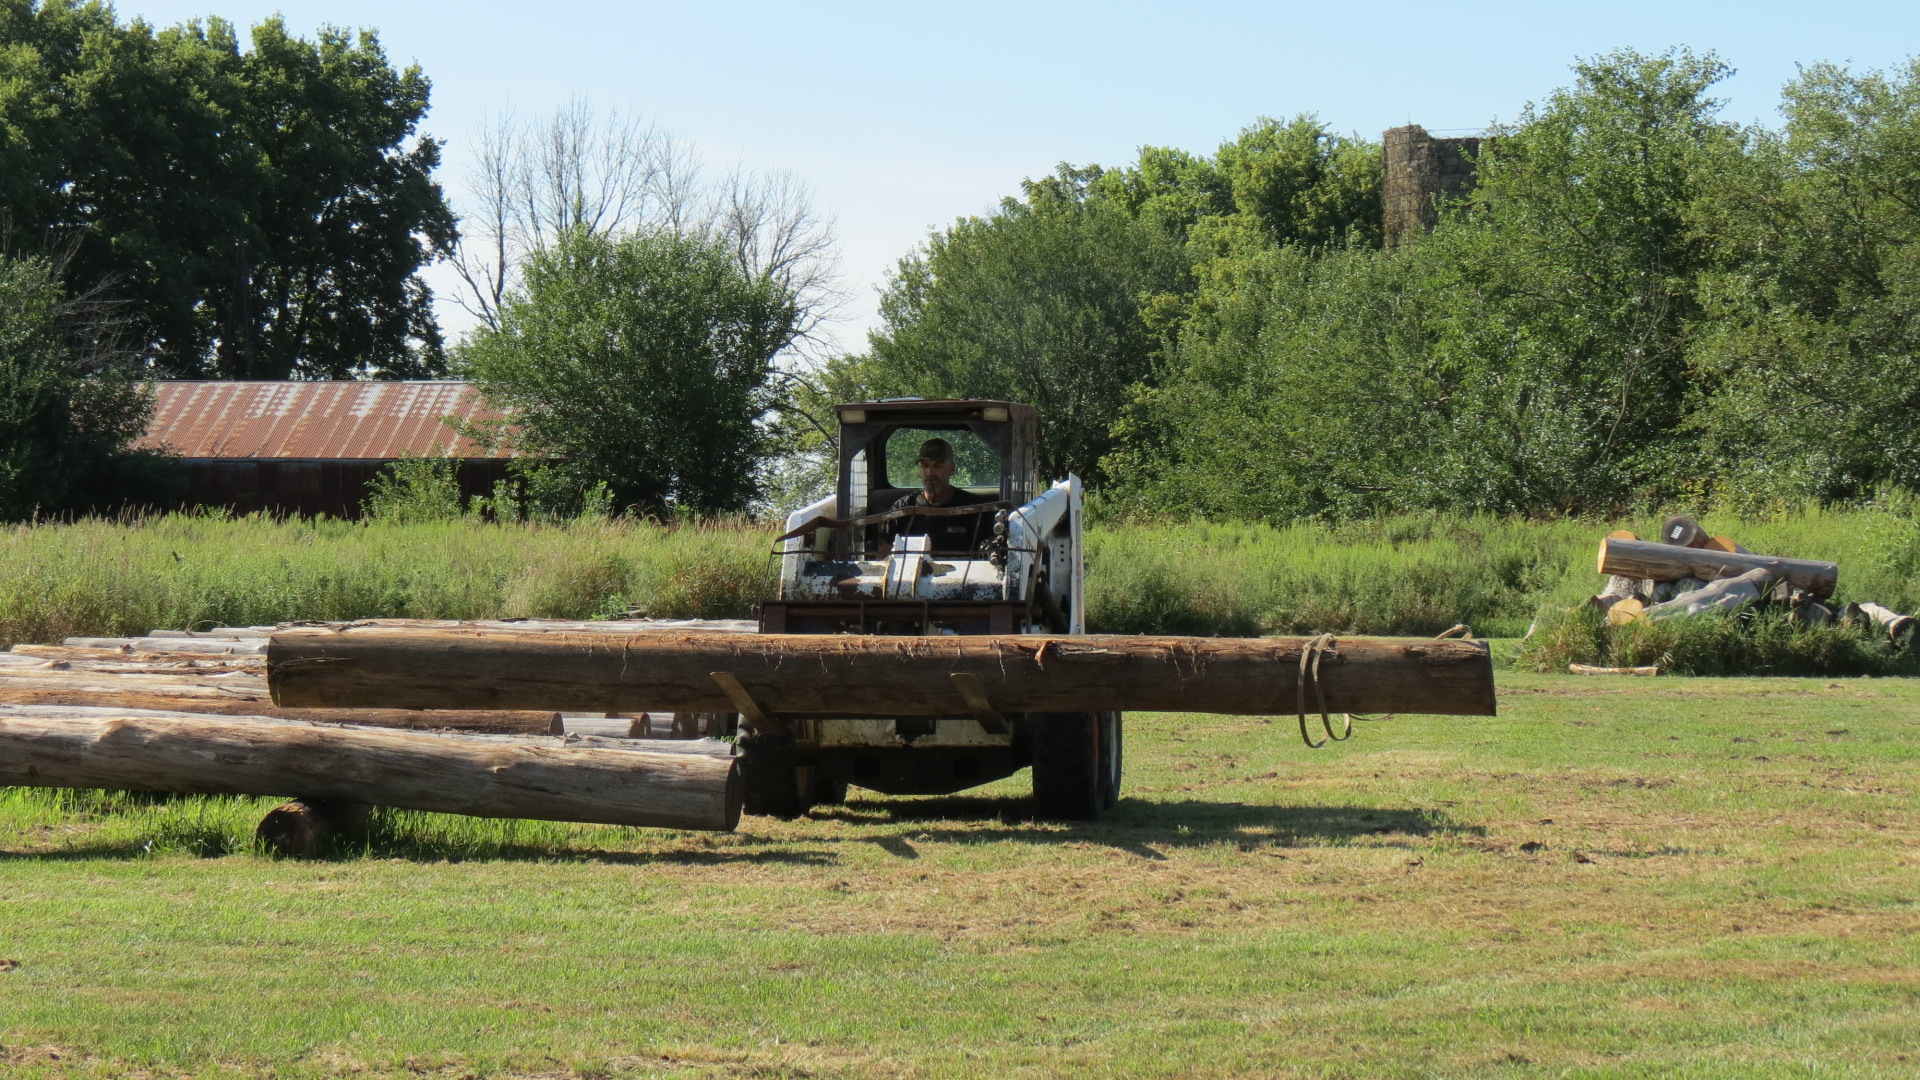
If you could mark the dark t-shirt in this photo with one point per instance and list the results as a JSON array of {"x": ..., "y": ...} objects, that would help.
[{"x": 959, "y": 534}]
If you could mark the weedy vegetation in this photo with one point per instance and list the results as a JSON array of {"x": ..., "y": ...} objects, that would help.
[{"x": 1409, "y": 574}]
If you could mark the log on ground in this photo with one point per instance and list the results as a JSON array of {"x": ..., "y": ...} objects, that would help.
[
  {"x": 304, "y": 828},
  {"x": 1895, "y": 624},
  {"x": 1721, "y": 597},
  {"x": 1665, "y": 562},
  {"x": 853, "y": 676},
  {"x": 100, "y": 690},
  {"x": 480, "y": 776},
  {"x": 1589, "y": 669}
]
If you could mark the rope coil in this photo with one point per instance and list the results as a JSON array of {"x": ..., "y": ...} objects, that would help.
[{"x": 1310, "y": 656}]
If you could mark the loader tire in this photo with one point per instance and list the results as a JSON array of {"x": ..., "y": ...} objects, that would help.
[
  {"x": 1071, "y": 765},
  {"x": 767, "y": 781}
]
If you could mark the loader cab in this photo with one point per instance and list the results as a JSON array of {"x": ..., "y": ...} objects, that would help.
[
  {"x": 995, "y": 447},
  {"x": 843, "y": 570}
]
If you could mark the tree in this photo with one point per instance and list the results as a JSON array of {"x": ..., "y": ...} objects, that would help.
[
  {"x": 640, "y": 361},
  {"x": 1815, "y": 321},
  {"x": 613, "y": 174},
  {"x": 68, "y": 402},
  {"x": 1530, "y": 356},
  {"x": 261, "y": 212},
  {"x": 1039, "y": 303}
]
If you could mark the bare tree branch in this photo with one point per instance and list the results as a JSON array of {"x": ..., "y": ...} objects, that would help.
[{"x": 615, "y": 173}]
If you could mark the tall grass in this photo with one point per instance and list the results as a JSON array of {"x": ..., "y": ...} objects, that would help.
[
  {"x": 194, "y": 571},
  {"x": 1400, "y": 575}
]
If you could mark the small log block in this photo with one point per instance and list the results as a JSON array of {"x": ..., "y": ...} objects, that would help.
[
  {"x": 1665, "y": 562},
  {"x": 1720, "y": 597},
  {"x": 1622, "y": 534},
  {"x": 1625, "y": 611},
  {"x": 1589, "y": 669},
  {"x": 1681, "y": 530},
  {"x": 304, "y": 828},
  {"x": 1620, "y": 588}
]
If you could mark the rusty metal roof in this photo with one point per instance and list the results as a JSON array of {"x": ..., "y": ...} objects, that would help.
[{"x": 329, "y": 420}]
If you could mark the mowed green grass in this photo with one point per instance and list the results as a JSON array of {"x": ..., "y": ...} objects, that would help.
[{"x": 1617, "y": 877}]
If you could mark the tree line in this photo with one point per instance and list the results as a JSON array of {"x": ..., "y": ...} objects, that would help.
[{"x": 1639, "y": 304}]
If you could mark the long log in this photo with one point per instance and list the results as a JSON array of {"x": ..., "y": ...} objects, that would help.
[
  {"x": 196, "y": 646},
  {"x": 855, "y": 676},
  {"x": 709, "y": 747},
  {"x": 248, "y": 662},
  {"x": 1664, "y": 562},
  {"x": 443, "y": 773},
  {"x": 476, "y": 721}
]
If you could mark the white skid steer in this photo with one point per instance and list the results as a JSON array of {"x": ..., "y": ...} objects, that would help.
[{"x": 858, "y": 562}]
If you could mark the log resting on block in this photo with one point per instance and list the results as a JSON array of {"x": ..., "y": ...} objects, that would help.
[
  {"x": 853, "y": 676},
  {"x": 1720, "y": 597},
  {"x": 1664, "y": 562},
  {"x": 451, "y": 774}
]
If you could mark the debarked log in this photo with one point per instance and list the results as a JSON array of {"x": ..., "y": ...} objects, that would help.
[
  {"x": 140, "y": 691},
  {"x": 781, "y": 675},
  {"x": 479, "y": 776},
  {"x": 1719, "y": 597},
  {"x": 1664, "y": 562},
  {"x": 1590, "y": 669},
  {"x": 1895, "y": 624}
]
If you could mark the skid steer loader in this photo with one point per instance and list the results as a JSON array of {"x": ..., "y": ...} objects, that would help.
[{"x": 854, "y": 564}]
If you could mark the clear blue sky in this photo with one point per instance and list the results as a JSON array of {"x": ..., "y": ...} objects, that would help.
[{"x": 904, "y": 116}]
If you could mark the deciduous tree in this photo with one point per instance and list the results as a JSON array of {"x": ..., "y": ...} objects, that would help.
[{"x": 640, "y": 361}]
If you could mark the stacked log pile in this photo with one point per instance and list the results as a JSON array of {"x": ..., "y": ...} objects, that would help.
[
  {"x": 152, "y": 712},
  {"x": 1686, "y": 572}
]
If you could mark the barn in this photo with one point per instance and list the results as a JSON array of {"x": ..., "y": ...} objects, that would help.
[{"x": 311, "y": 447}]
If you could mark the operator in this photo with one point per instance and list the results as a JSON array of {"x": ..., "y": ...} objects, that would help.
[{"x": 958, "y": 534}]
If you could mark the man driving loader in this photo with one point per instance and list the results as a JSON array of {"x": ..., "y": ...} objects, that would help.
[{"x": 958, "y": 534}]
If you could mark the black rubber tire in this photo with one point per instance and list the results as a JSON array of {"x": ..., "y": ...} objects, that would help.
[
  {"x": 1069, "y": 770},
  {"x": 768, "y": 785},
  {"x": 1113, "y": 754}
]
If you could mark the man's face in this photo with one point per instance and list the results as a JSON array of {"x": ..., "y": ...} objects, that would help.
[{"x": 935, "y": 475}]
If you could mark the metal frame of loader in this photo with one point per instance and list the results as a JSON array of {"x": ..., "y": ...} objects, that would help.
[{"x": 840, "y": 576}]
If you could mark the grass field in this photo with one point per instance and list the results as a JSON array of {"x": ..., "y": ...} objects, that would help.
[
  {"x": 1616, "y": 878},
  {"x": 1403, "y": 575}
]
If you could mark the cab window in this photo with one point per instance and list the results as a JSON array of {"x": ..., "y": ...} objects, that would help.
[{"x": 975, "y": 463}]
